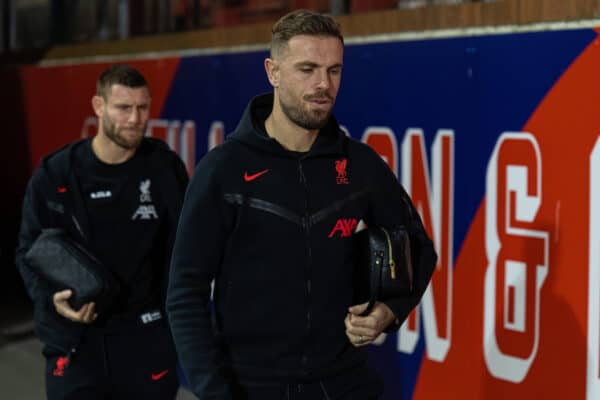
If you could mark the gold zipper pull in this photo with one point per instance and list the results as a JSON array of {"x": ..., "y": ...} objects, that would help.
[{"x": 392, "y": 262}]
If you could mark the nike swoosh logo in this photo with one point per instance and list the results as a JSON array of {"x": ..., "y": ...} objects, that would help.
[
  {"x": 250, "y": 178},
  {"x": 158, "y": 376}
]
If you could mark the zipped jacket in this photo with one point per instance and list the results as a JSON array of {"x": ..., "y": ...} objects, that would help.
[
  {"x": 274, "y": 229},
  {"x": 53, "y": 199}
]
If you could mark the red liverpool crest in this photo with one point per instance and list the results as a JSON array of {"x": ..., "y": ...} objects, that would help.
[{"x": 340, "y": 169}]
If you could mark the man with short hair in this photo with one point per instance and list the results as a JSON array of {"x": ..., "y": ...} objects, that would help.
[
  {"x": 119, "y": 196},
  {"x": 270, "y": 216}
]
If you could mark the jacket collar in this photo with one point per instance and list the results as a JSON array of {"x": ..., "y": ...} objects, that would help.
[{"x": 330, "y": 141}]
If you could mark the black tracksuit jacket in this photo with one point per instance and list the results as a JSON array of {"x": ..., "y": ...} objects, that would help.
[
  {"x": 273, "y": 229},
  {"x": 53, "y": 199}
]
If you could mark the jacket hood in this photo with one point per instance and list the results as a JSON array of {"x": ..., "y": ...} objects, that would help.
[{"x": 331, "y": 139}]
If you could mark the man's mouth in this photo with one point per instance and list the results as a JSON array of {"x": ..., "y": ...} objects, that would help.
[
  {"x": 320, "y": 101},
  {"x": 133, "y": 130}
]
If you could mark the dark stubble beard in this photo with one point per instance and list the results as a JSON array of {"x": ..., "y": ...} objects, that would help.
[
  {"x": 111, "y": 132},
  {"x": 306, "y": 119}
]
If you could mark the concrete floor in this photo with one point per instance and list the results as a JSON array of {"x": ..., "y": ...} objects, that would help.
[{"x": 21, "y": 369}]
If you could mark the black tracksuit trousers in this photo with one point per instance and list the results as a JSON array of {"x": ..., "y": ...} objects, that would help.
[
  {"x": 360, "y": 383},
  {"x": 133, "y": 362}
]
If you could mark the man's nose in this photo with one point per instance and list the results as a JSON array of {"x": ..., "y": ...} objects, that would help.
[
  {"x": 134, "y": 116},
  {"x": 324, "y": 81}
]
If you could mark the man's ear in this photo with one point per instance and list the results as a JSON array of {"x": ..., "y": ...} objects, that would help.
[
  {"x": 273, "y": 71},
  {"x": 98, "y": 105}
]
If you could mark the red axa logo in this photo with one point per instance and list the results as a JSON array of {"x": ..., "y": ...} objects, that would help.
[
  {"x": 340, "y": 169},
  {"x": 345, "y": 226},
  {"x": 61, "y": 364}
]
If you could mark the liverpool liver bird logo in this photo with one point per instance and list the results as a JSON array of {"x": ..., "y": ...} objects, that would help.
[{"x": 340, "y": 169}]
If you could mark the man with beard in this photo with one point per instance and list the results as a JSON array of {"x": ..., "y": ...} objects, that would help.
[
  {"x": 270, "y": 216},
  {"x": 119, "y": 196}
]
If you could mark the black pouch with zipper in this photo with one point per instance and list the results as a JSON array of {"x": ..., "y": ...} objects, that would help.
[
  {"x": 384, "y": 269},
  {"x": 66, "y": 264}
]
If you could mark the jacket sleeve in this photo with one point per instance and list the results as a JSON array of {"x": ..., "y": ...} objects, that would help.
[
  {"x": 197, "y": 254},
  {"x": 181, "y": 175},
  {"x": 40, "y": 211},
  {"x": 33, "y": 216},
  {"x": 175, "y": 191},
  {"x": 391, "y": 206}
]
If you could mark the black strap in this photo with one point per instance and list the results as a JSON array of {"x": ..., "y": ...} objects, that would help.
[{"x": 374, "y": 284}]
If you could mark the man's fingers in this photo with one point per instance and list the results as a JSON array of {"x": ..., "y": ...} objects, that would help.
[
  {"x": 86, "y": 314},
  {"x": 84, "y": 309},
  {"x": 89, "y": 313},
  {"x": 62, "y": 306},
  {"x": 358, "y": 337},
  {"x": 358, "y": 329},
  {"x": 65, "y": 310},
  {"x": 358, "y": 340},
  {"x": 366, "y": 322},
  {"x": 62, "y": 295},
  {"x": 363, "y": 330},
  {"x": 358, "y": 308}
]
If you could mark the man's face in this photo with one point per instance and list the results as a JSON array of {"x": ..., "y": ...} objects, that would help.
[
  {"x": 123, "y": 115},
  {"x": 310, "y": 72}
]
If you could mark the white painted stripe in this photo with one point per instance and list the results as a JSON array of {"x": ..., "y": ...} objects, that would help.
[
  {"x": 475, "y": 31},
  {"x": 351, "y": 40},
  {"x": 593, "y": 328},
  {"x": 153, "y": 55}
]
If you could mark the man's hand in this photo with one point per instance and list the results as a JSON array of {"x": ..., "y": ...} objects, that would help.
[
  {"x": 364, "y": 330},
  {"x": 85, "y": 315}
]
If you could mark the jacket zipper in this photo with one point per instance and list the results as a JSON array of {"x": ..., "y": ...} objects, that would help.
[
  {"x": 306, "y": 225},
  {"x": 392, "y": 263},
  {"x": 78, "y": 226}
]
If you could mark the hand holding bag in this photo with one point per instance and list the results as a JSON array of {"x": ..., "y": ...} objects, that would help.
[
  {"x": 66, "y": 264},
  {"x": 385, "y": 268}
]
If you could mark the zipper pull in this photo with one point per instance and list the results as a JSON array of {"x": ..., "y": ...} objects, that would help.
[
  {"x": 71, "y": 353},
  {"x": 76, "y": 223},
  {"x": 392, "y": 263},
  {"x": 301, "y": 173}
]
